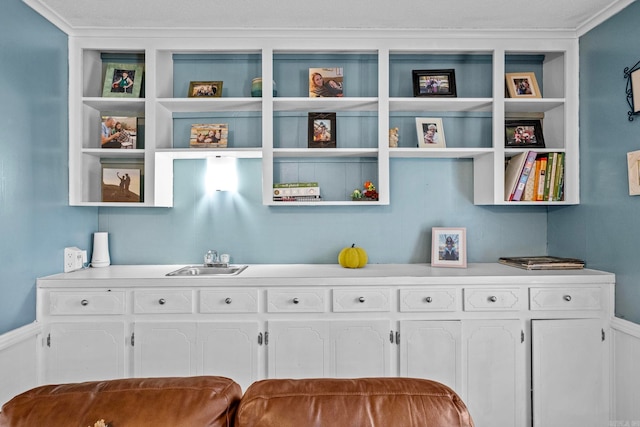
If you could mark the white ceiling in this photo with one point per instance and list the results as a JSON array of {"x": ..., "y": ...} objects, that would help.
[{"x": 572, "y": 15}]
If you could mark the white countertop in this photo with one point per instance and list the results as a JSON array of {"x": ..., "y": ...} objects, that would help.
[{"x": 322, "y": 274}]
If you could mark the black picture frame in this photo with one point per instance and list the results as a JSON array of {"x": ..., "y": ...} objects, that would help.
[
  {"x": 322, "y": 130},
  {"x": 428, "y": 83},
  {"x": 523, "y": 134}
]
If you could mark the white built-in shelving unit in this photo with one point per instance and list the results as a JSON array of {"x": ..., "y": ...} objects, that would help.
[{"x": 378, "y": 96}]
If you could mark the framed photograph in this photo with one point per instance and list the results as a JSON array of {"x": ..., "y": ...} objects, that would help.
[
  {"x": 633, "y": 168},
  {"x": 430, "y": 133},
  {"x": 322, "y": 130},
  {"x": 522, "y": 85},
  {"x": 122, "y": 181},
  {"x": 123, "y": 80},
  {"x": 209, "y": 135},
  {"x": 119, "y": 132},
  {"x": 205, "y": 89},
  {"x": 434, "y": 82},
  {"x": 449, "y": 247},
  {"x": 523, "y": 134},
  {"x": 325, "y": 82}
]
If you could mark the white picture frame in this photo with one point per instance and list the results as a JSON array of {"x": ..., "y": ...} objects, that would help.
[
  {"x": 430, "y": 132},
  {"x": 449, "y": 247},
  {"x": 633, "y": 169}
]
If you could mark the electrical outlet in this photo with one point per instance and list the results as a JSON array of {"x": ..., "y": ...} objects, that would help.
[{"x": 74, "y": 259}]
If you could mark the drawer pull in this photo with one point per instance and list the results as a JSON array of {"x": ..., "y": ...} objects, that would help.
[
  {"x": 361, "y": 299},
  {"x": 227, "y": 300},
  {"x": 492, "y": 298},
  {"x": 296, "y": 300},
  {"x": 84, "y": 302},
  {"x": 162, "y": 301},
  {"x": 567, "y": 298},
  {"x": 428, "y": 300}
]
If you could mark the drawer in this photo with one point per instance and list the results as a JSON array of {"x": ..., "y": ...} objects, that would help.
[
  {"x": 444, "y": 299},
  {"x": 229, "y": 301},
  {"x": 565, "y": 298},
  {"x": 89, "y": 302},
  {"x": 161, "y": 301},
  {"x": 486, "y": 299},
  {"x": 346, "y": 300},
  {"x": 295, "y": 300}
]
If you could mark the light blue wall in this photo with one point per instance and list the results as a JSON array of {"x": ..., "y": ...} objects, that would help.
[
  {"x": 603, "y": 229},
  {"x": 425, "y": 193},
  {"x": 35, "y": 221}
]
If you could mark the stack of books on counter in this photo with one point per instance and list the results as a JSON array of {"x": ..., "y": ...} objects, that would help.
[
  {"x": 534, "y": 176},
  {"x": 543, "y": 262},
  {"x": 296, "y": 192}
]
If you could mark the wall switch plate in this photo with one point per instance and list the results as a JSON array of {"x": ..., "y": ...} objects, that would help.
[{"x": 74, "y": 259}]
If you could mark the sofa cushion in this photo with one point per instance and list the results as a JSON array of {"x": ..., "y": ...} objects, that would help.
[
  {"x": 364, "y": 402},
  {"x": 139, "y": 402}
]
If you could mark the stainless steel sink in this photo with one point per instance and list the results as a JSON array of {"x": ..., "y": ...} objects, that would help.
[{"x": 201, "y": 270}]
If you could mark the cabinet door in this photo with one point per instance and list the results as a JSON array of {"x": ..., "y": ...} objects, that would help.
[
  {"x": 494, "y": 385},
  {"x": 298, "y": 349},
  {"x": 329, "y": 349},
  {"x": 164, "y": 349},
  {"x": 432, "y": 350},
  {"x": 570, "y": 382},
  {"x": 76, "y": 352},
  {"x": 360, "y": 349},
  {"x": 229, "y": 349}
]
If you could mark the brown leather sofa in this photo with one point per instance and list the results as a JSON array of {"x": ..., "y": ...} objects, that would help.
[{"x": 218, "y": 402}]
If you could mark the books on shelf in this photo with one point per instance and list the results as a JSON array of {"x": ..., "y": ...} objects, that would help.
[
  {"x": 543, "y": 263},
  {"x": 535, "y": 176},
  {"x": 296, "y": 192}
]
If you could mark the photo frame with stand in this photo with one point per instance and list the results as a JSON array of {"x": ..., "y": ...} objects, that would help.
[
  {"x": 522, "y": 85},
  {"x": 449, "y": 247},
  {"x": 434, "y": 83},
  {"x": 523, "y": 134},
  {"x": 430, "y": 132},
  {"x": 211, "y": 89},
  {"x": 123, "y": 80},
  {"x": 322, "y": 130}
]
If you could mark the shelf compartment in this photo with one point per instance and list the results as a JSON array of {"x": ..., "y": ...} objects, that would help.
[
  {"x": 336, "y": 176},
  {"x": 538, "y": 105}
]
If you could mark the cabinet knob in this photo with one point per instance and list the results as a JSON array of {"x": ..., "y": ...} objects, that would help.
[
  {"x": 428, "y": 299},
  {"x": 162, "y": 301},
  {"x": 84, "y": 302},
  {"x": 227, "y": 300},
  {"x": 296, "y": 300},
  {"x": 492, "y": 298},
  {"x": 567, "y": 298},
  {"x": 361, "y": 299}
]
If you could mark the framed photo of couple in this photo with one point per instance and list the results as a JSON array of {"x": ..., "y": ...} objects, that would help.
[
  {"x": 122, "y": 181},
  {"x": 449, "y": 247}
]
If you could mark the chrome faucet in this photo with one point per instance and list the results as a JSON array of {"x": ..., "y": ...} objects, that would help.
[{"x": 211, "y": 258}]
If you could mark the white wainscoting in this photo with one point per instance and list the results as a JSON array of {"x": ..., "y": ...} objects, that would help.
[
  {"x": 19, "y": 360},
  {"x": 625, "y": 374}
]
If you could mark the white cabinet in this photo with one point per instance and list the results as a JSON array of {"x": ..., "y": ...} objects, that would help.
[
  {"x": 521, "y": 348},
  {"x": 495, "y": 362},
  {"x": 307, "y": 349},
  {"x": 76, "y": 352},
  {"x": 570, "y": 380},
  {"x": 378, "y": 95},
  {"x": 432, "y": 349},
  {"x": 164, "y": 349}
]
